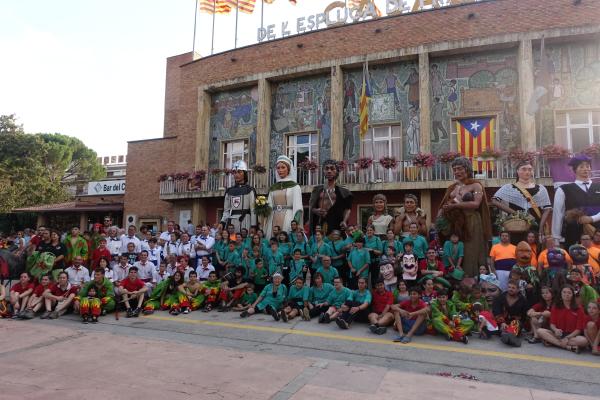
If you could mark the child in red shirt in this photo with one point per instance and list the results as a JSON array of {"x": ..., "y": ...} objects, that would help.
[
  {"x": 101, "y": 251},
  {"x": 20, "y": 293},
  {"x": 410, "y": 316}
]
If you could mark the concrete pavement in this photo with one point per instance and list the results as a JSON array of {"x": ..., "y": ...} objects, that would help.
[{"x": 218, "y": 355}]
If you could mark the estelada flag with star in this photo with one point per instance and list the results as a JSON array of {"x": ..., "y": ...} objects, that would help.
[{"x": 474, "y": 136}]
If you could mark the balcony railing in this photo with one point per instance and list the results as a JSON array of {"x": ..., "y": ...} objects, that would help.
[{"x": 405, "y": 172}]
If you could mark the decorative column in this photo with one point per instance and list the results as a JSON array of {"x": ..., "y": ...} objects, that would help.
[
  {"x": 337, "y": 113},
  {"x": 526, "y": 81},
  {"x": 263, "y": 131},
  {"x": 424, "y": 103},
  {"x": 425, "y": 204},
  {"x": 202, "y": 149}
]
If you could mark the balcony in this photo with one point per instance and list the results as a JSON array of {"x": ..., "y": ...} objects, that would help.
[{"x": 375, "y": 178}]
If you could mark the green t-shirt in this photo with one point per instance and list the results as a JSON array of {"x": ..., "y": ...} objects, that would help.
[
  {"x": 358, "y": 258},
  {"x": 320, "y": 295},
  {"x": 420, "y": 245},
  {"x": 337, "y": 298},
  {"x": 362, "y": 297},
  {"x": 298, "y": 296},
  {"x": 260, "y": 275},
  {"x": 329, "y": 275},
  {"x": 248, "y": 298}
]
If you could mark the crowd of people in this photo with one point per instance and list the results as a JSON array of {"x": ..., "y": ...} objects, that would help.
[{"x": 450, "y": 276}]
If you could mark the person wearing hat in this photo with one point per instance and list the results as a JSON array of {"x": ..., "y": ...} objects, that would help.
[
  {"x": 329, "y": 204},
  {"x": 285, "y": 198},
  {"x": 238, "y": 206},
  {"x": 525, "y": 195},
  {"x": 270, "y": 300},
  {"x": 582, "y": 195}
]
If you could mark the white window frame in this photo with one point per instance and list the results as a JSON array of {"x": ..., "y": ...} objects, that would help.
[
  {"x": 569, "y": 126},
  {"x": 228, "y": 156},
  {"x": 291, "y": 149},
  {"x": 365, "y": 143}
]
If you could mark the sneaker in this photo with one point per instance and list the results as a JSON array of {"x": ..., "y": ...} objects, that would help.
[
  {"x": 94, "y": 320},
  {"x": 381, "y": 330},
  {"x": 136, "y": 313},
  {"x": 322, "y": 318},
  {"x": 274, "y": 314},
  {"x": 129, "y": 313},
  {"x": 103, "y": 312},
  {"x": 244, "y": 314},
  {"x": 27, "y": 314},
  {"x": 406, "y": 339},
  {"x": 398, "y": 339},
  {"x": 84, "y": 319},
  {"x": 186, "y": 311},
  {"x": 45, "y": 315},
  {"x": 465, "y": 339},
  {"x": 533, "y": 340},
  {"x": 174, "y": 312},
  {"x": 283, "y": 316},
  {"x": 373, "y": 328},
  {"x": 341, "y": 323},
  {"x": 53, "y": 315},
  {"x": 326, "y": 318},
  {"x": 306, "y": 314}
]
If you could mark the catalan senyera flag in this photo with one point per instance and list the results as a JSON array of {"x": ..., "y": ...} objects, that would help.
[
  {"x": 245, "y": 6},
  {"x": 474, "y": 136},
  {"x": 214, "y": 7},
  {"x": 363, "y": 105}
]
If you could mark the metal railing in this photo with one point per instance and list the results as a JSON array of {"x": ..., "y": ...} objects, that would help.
[{"x": 405, "y": 171}]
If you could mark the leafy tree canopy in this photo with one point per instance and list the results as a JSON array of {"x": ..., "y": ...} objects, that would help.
[{"x": 34, "y": 168}]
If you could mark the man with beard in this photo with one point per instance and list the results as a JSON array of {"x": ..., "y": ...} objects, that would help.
[
  {"x": 577, "y": 204},
  {"x": 330, "y": 204},
  {"x": 510, "y": 309},
  {"x": 238, "y": 208}
]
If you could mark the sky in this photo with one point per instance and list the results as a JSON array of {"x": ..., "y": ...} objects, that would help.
[{"x": 95, "y": 69}]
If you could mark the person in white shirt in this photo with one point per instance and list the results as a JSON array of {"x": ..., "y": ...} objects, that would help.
[
  {"x": 77, "y": 273},
  {"x": 166, "y": 235},
  {"x": 204, "y": 268},
  {"x": 113, "y": 243},
  {"x": 582, "y": 194},
  {"x": 184, "y": 267},
  {"x": 204, "y": 243},
  {"x": 171, "y": 246},
  {"x": 154, "y": 253},
  {"x": 131, "y": 238},
  {"x": 121, "y": 270},
  {"x": 186, "y": 248},
  {"x": 145, "y": 269},
  {"x": 160, "y": 275},
  {"x": 145, "y": 241}
]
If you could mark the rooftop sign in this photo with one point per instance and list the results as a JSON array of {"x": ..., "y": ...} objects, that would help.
[{"x": 338, "y": 13}]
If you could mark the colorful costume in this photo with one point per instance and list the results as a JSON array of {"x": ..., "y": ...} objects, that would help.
[
  {"x": 105, "y": 299},
  {"x": 443, "y": 316},
  {"x": 80, "y": 248}
]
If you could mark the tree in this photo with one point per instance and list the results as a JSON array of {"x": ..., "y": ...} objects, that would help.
[{"x": 35, "y": 167}]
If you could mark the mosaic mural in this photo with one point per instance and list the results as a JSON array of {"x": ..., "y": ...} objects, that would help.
[
  {"x": 473, "y": 85},
  {"x": 571, "y": 78},
  {"x": 299, "y": 106},
  {"x": 232, "y": 117},
  {"x": 395, "y": 99}
]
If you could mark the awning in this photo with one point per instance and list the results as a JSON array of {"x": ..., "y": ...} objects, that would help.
[{"x": 71, "y": 206}]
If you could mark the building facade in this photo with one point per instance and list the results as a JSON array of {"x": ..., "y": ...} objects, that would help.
[{"x": 530, "y": 68}]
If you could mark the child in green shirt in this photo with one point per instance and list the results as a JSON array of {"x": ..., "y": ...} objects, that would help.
[
  {"x": 247, "y": 299},
  {"x": 296, "y": 301}
]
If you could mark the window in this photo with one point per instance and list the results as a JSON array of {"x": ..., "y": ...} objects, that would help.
[
  {"x": 106, "y": 160},
  {"x": 234, "y": 151},
  {"x": 113, "y": 159},
  {"x": 580, "y": 127},
  {"x": 121, "y": 159},
  {"x": 382, "y": 141},
  {"x": 301, "y": 147}
]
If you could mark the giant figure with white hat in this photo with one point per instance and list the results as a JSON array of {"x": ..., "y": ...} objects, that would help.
[
  {"x": 285, "y": 198},
  {"x": 238, "y": 208}
]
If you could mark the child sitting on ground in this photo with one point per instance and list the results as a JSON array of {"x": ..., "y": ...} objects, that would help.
[
  {"x": 487, "y": 323},
  {"x": 247, "y": 299},
  {"x": 90, "y": 314}
]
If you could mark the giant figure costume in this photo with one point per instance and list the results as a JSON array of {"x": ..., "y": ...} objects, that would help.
[
  {"x": 333, "y": 201},
  {"x": 579, "y": 197},
  {"x": 238, "y": 207}
]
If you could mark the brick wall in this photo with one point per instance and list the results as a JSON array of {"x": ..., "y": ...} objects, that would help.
[
  {"x": 172, "y": 91},
  {"x": 146, "y": 161}
]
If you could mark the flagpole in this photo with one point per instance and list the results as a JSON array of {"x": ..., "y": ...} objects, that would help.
[
  {"x": 262, "y": 14},
  {"x": 237, "y": 11},
  {"x": 212, "y": 38},
  {"x": 195, "y": 19},
  {"x": 372, "y": 130}
]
